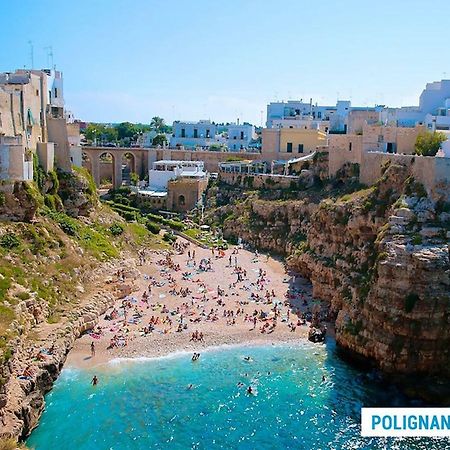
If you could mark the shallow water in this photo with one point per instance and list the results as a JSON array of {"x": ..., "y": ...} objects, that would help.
[{"x": 146, "y": 404}]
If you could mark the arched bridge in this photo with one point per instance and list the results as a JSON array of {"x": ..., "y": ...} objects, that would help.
[
  {"x": 110, "y": 161},
  {"x": 116, "y": 162}
]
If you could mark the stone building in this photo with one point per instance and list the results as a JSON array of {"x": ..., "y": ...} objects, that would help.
[
  {"x": 286, "y": 143},
  {"x": 175, "y": 185},
  {"x": 32, "y": 122}
]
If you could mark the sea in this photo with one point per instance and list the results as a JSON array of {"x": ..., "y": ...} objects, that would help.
[{"x": 303, "y": 396}]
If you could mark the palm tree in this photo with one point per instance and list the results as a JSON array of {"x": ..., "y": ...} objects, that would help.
[{"x": 157, "y": 124}]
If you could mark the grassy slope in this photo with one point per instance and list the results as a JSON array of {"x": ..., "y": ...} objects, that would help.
[{"x": 46, "y": 259}]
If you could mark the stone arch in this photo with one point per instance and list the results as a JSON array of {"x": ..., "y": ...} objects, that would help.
[
  {"x": 107, "y": 173},
  {"x": 128, "y": 166}
]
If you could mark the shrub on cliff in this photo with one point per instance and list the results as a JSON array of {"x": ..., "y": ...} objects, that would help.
[
  {"x": 9, "y": 241},
  {"x": 116, "y": 229},
  {"x": 152, "y": 227}
]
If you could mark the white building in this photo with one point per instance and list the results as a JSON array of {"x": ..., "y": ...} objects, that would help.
[
  {"x": 433, "y": 110},
  {"x": 194, "y": 134},
  {"x": 240, "y": 136},
  {"x": 336, "y": 116},
  {"x": 165, "y": 170}
]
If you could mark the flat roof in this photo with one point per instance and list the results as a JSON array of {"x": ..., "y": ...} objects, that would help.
[
  {"x": 152, "y": 192},
  {"x": 176, "y": 161}
]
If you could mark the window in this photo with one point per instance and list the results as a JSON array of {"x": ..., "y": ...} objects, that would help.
[
  {"x": 242, "y": 135},
  {"x": 380, "y": 138},
  {"x": 391, "y": 147},
  {"x": 208, "y": 135},
  {"x": 319, "y": 115},
  {"x": 350, "y": 146},
  {"x": 56, "y": 92},
  {"x": 183, "y": 132},
  {"x": 37, "y": 92},
  {"x": 181, "y": 200},
  {"x": 289, "y": 147},
  {"x": 300, "y": 148},
  {"x": 195, "y": 133}
]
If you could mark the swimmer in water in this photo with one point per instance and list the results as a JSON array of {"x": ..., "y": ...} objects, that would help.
[
  {"x": 191, "y": 386},
  {"x": 249, "y": 390},
  {"x": 94, "y": 381},
  {"x": 323, "y": 378},
  {"x": 247, "y": 358}
]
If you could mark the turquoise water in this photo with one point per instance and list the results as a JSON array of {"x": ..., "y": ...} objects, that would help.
[{"x": 146, "y": 404}]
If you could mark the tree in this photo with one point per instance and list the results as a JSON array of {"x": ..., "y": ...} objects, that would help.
[
  {"x": 159, "y": 139},
  {"x": 428, "y": 143},
  {"x": 134, "y": 178},
  {"x": 100, "y": 132},
  {"x": 126, "y": 130},
  {"x": 217, "y": 148},
  {"x": 157, "y": 124}
]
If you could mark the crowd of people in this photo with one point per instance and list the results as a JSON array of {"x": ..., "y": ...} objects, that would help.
[{"x": 178, "y": 296}]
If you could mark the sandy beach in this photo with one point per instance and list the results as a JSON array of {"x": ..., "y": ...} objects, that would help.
[{"x": 190, "y": 298}]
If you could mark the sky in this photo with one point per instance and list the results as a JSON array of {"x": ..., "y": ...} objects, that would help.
[{"x": 223, "y": 60}]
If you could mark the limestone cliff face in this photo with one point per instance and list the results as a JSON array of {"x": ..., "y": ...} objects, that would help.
[
  {"x": 379, "y": 257},
  {"x": 19, "y": 201},
  {"x": 77, "y": 192},
  {"x": 22, "y": 401}
]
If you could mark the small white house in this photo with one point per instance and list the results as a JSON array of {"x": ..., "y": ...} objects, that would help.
[
  {"x": 165, "y": 170},
  {"x": 240, "y": 136}
]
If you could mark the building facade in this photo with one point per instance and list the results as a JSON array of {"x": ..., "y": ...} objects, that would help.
[
  {"x": 239, "y": 137},
  {"x": 193, "y": 134},
  {"x": 287, "y": 143}
]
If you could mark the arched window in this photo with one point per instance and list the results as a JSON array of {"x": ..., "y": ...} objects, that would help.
[{"x": 181, "y": 200}]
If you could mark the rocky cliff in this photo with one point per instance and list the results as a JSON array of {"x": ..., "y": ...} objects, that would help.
[
  {"x": 379, "y": 256},
  {"x": 58, "y": 249}
]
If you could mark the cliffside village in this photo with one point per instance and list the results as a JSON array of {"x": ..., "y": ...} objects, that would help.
[{"x": 173, "y": 176}]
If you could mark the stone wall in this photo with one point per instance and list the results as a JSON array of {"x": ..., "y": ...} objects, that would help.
[
  {"x": 432, "y": 172},
  {"x": 184, "y": 194},
  {"x": 344, "y": 148},
  {"x": 211, "y": 159},
  {"x": 57, "y": 133},
  {"x": 259, "y": 181}
]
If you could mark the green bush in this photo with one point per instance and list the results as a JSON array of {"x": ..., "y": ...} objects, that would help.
[
  {"x": 428, "y": 143},
  {"x": 152, "y": 227},
  {"x": 9, "y": 241},
  {"x": 155, "y": 217},
  {"x": 175, "y": 224},
  {"x": 116, "y": 229},
  {"x": 169, "y": 237}
]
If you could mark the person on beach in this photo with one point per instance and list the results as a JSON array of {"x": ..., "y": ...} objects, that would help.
[
  {"x": 92, "y": 349},
  {"x": 94, "y": 381}
]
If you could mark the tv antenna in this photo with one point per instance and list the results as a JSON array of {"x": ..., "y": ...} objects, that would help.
[
  {"x": 49, "y": 51},
  {"x": 30, "y": 43}
]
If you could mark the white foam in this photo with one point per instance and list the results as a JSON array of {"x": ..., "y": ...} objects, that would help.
[{"x": 213, "y": 348}]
